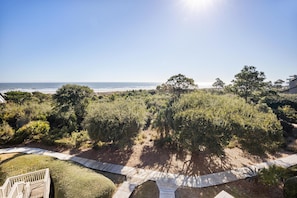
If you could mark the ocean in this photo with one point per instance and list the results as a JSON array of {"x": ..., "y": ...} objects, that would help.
[{"x": 96, "y": 86}]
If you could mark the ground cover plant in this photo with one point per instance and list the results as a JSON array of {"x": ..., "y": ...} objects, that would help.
[{"x": 69, "y": 180}]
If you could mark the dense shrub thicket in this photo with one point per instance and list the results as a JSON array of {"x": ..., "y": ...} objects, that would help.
[
  {"x": 113, "y": 121},
  {"x": 194, "y": 121},
  {"x": 284, "y": 106},
  {"x": 24, "y": 121},
  {"x": 6, "y": 133},
  {"x": 33, "y": 131},
  {"x": 204, "y": 121}
]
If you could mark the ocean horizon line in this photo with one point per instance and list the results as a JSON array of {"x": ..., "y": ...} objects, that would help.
[
  {"x": 71, "y": 82},
  {"x": 52, "y": 87}
]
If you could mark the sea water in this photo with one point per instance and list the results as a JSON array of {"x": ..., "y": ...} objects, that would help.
[{"x": 96, "y": 86}]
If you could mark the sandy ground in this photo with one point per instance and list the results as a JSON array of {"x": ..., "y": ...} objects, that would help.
[{"x": 145, "y": 155}]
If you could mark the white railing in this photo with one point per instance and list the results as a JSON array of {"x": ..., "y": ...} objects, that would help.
[{"x": 21, "y": 186}]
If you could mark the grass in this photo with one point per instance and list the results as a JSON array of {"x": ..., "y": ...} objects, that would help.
[
  {"x": 115, "y": 178},
  {"x": 148, "y": 189},
  {"x": 69, "y": 180}
]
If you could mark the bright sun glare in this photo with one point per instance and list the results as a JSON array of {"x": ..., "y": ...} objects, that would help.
[{"x": 196, "y": 5}]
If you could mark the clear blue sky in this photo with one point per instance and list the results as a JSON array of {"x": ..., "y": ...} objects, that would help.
[{"x": 145, "y": 40}]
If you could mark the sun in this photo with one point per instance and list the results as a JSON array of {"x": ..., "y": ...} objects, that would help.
[{"x": 196, "y": 5}]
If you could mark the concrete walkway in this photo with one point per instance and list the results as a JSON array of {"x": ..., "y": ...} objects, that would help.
[{"x": 166, "y": 182}]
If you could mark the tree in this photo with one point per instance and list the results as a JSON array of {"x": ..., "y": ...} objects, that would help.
[
  {"x": 278, "y": 84},
  {"x": 249, "y": 83},
  {"x": 219, "y": 84},
  {"x": 178, "y": 84},
  {"x": 72, "y": 101},
  {"x": 202, "y": 121}
]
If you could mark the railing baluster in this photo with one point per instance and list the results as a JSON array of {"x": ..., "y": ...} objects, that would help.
[{"x": 41, "y": 176}]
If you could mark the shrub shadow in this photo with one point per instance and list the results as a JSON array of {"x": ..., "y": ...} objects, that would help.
[
  {"x": 155, "y": 157},
  {"x": 205, "y": 163},
  {"x": 165, "y": 160},
  {"x": 107, "y": 154}
]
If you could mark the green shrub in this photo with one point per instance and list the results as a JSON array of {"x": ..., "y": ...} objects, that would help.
[
  {"x": 70, "y": 180},
  {"x": 6, "y": 133},
  {"x": 205, "y": 121},
  {"x": 14, "y": 115},
  {"x": 290, "y": 190},
  {"x": 273, "y": 175},
  {"x": 75, "y": 140},
  {"x": 289, "y": 113},
  {"x": 79, "y": 137},
  {"x": 17, "y": 115},
  {"x": 17, "y": 96},
  {"x": 113, "y": 121},
  {"x": 284, "y": 106},
  {"x": 33, "y": 131}
]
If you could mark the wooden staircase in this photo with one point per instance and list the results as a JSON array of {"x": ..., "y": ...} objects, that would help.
[{"x": 30, "y": 185}]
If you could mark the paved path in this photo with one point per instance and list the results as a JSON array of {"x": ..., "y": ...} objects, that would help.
[{"x": 166, "y": 182}]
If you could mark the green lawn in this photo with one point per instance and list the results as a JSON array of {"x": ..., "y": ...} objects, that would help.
[{"x": 69, "y": 180}]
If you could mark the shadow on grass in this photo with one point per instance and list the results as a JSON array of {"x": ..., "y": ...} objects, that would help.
[
  {"x": 115, "y": 178},
  {"x": 9, "y": 157},
  {"x": 148, "y": 189}
]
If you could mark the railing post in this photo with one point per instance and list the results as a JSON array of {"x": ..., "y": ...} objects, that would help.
[{"x": 22, "y": 182}]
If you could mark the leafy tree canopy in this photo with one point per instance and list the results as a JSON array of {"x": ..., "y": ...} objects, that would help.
[
  {"x": 72, "y": 95},
  {"x": 249, "y": 84},
  {"x": 73, "y": 98},
  {"x": 279, "y": 83},
  {"x": 219, "y": 84},
  {"x": 178, "y": 84},
  {"x": 205, "y": 121}
]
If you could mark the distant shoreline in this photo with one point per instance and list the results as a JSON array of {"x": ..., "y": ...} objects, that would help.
[{"x": 98, "y": 87}]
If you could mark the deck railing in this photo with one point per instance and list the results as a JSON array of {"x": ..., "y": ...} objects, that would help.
[{"x": 21, "y": 186}]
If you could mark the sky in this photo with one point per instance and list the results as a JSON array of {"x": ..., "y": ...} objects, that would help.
[{"x": 145, "y": 40}]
